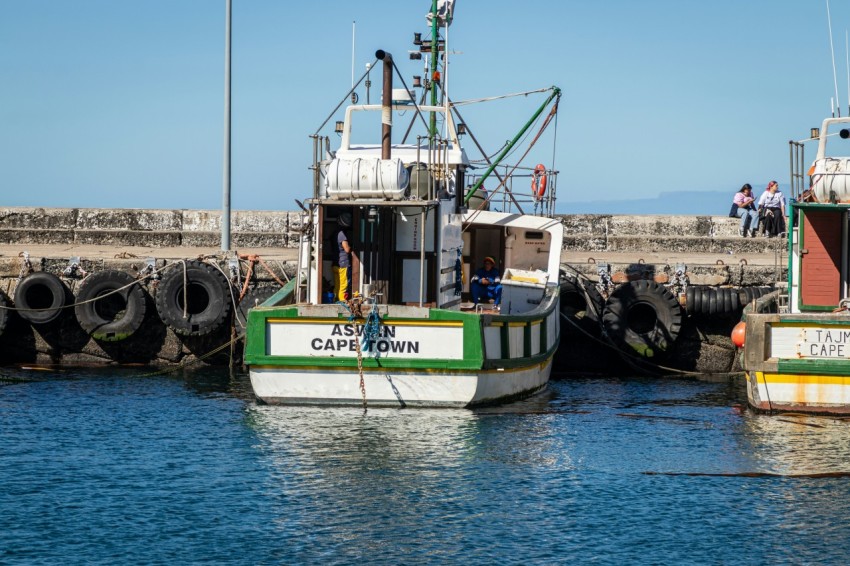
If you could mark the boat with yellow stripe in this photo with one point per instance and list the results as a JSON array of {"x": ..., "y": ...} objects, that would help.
[
  {"x": 797, "y": 341},
  {"x": 413, "y": 329}
]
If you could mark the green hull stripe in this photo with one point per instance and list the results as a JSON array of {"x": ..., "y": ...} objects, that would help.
[
  {"x": 820, "y": 367},
  {"x": 473, "y": 342}
]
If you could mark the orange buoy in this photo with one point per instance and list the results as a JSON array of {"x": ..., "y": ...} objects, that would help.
[
  {"x": 538, "y": 181},
  {"x": 739, "y": 334}
]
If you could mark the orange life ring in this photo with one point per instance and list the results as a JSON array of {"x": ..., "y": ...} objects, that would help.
[{"x": 538, "y": 181}]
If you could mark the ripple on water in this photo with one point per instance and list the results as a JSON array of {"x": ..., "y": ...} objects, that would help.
[{"x": 119, "y": 466}]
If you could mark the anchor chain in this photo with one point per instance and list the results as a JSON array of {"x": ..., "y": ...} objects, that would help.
[
  {"x": 360, "y": 367},
  {"x": 355, "y": 309}
]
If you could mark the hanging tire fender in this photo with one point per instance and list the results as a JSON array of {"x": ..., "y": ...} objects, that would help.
[
  {"x": 207, "y": 298},
  {"x": 693, "y": 300},
  {"x": 644, "y": 317},
  {"x": 699, "y": 305},
  {"x": 4, "y": 311},
  {"x": 734, "y": 301},
  {"x": 579, "y": 295},
  {"x": 45, "y": 293},
  {"x": 110, "y": 305}
]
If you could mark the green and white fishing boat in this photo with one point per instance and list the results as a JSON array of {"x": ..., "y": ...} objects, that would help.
[
  {"x": 410, "y": 334},
  {"x": 797, "y": 343}
]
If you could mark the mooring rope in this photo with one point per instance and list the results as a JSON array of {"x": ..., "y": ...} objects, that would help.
[
  {"x": 635, "y": 358},
  {"x": 93, "y": 299}
]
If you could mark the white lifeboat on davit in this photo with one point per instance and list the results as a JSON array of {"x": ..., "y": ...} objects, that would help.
[{"x": 830, "y": 174}]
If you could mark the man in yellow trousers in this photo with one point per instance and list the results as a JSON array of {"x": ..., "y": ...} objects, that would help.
[{"x": 342, "y": 259}]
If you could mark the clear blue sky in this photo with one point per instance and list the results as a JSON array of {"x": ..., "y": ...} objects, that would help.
[{"x": 119, "y": 103}]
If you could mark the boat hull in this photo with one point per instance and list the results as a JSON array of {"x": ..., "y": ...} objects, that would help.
[
  {"x": 798, "y": 362},
  {"x": 397, "y": 388},
  {"x": 799, "y": 393},
  {"x": 415, "y": 357}
]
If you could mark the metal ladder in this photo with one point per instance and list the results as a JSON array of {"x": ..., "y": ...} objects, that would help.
[{"x": 302, "y": 272}]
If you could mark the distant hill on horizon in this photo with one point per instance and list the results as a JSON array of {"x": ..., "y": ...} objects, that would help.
[{"x": 712, "y": 203}]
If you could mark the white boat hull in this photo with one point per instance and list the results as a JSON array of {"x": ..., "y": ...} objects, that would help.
[
  {"x": 395, "y": 388},
  {"x": 777, "y": 392}
]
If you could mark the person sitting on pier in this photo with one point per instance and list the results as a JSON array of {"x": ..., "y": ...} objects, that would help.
[
  {"x": 746, "y": 211},
  {"x": 486, "y": 283},
  {"x": 772, "y": 210}
]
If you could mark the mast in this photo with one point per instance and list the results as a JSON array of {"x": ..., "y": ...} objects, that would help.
[{"x": 435, "y": 50}]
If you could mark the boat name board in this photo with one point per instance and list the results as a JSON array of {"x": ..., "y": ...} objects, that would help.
[
  {"x": 810, "y": 342},
  {"x": 433, "y": 341}
]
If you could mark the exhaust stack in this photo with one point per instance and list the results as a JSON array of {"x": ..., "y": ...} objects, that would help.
[{"x": 386, "y": 103}]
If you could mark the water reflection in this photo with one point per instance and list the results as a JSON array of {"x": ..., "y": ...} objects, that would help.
[
  {"x": 795, "y": 444},
  {"x": 561, "y": 476},
  {"x": 379, "y": 477}
]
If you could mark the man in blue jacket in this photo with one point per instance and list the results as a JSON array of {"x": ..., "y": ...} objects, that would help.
[{"x": 486, "y": 283}]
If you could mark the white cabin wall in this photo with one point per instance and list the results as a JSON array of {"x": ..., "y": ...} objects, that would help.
[
  {"x": 524, "y": 253},
  {"x": 449, "y": 250}
]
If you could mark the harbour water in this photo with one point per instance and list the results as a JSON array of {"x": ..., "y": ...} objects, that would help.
[{"x": 116, "y": 466}]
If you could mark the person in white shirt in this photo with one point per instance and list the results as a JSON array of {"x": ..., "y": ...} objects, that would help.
[{"x": 772, "y": 210}]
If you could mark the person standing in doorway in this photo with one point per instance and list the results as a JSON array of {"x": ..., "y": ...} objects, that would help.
[{"x": 342, "y": 259}]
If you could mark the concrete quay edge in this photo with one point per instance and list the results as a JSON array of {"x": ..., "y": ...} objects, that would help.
[{"x": 121, "y": 238}]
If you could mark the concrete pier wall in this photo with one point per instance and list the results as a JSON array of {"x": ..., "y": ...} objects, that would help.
[
  {"x": 143, "y": 227},
  {"x": 630, "y": 247},
  {"x": 197, "y": 228}
]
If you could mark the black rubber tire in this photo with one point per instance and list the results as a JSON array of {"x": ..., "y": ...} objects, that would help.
[
  {"x": 208, "y": 298},
  {"x": 4, "y": 311},
  {"x": 643, "y": 317},
  {"x": 690, "y": 300},
  {"x": 727, "y": 301},
  {"x": 578, "y": 295},
  {"x": 698, "y": 302},
  {"x": 710, "y": 299},
  {"x": 735, "y": 301},
  {"x": 115, "y": 316},
  {"x": 255, "y": 296},
  {"x": 40, "y": 290},
  {"x": 748, "y": 291}
]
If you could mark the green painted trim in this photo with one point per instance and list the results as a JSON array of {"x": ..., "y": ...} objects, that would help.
[
  {"x": 811, "y": 323},
  {"x": 526, "y": 339},
  {"x": 820, "y": 205},
  {"x": 544, "y": 333},
  {"x": 819, "y": 367},
  {"x": 255, "y": 345},
  {"x": 518, "y": 362},
  {"x": 473, "y": 340},
  {"x": 794, "y": 220},
  {"x": 801, "y": 219},
  {"x": 282, "y": 294},
  {"x": 814, "y": 308},
  {"x": 504, "y": 334}
]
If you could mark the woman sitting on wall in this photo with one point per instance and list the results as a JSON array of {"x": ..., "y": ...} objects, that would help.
[
  {"x": 744, "y": 208},
  {"x": 772, "y": 210}
]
